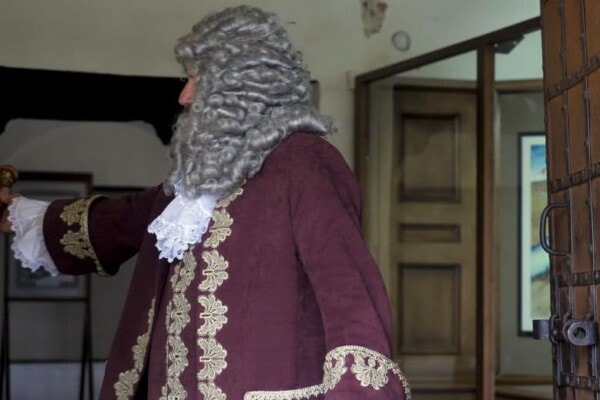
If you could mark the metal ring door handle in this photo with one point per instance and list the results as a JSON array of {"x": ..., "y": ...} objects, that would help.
[{"x": 543, "y": 220}]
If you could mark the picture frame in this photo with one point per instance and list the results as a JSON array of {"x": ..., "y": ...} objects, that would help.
[
  {"x": 534, "y": 262},
  {"x": 22, "y": 283}
]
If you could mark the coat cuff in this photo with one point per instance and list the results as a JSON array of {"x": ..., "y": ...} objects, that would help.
[{"x": 67, "y": 236}]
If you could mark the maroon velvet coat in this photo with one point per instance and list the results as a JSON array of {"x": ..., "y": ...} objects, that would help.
[{"x": 281, "y": 300}]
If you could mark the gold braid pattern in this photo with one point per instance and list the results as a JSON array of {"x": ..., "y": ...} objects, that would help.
[{"x": 78, "y": 243}]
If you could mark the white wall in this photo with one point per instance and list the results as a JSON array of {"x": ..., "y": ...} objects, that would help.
[
  {"x": 117, "y": 154},
  {"x": 135, "y": 37},
  {"x": 519, "y": 113}
]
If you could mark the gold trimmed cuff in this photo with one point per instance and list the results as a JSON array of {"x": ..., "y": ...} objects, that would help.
[{"x": 78, "y": 243}]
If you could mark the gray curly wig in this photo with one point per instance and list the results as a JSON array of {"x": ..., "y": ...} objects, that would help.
[{"x": 252, "y": 92}]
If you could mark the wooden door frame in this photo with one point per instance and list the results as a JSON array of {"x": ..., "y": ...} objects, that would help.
[{"x": 487, "y": 269}]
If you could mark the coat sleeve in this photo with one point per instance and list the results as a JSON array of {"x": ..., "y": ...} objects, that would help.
[
  {"x": 97, "y": 234},
  {"x": 352, "y": 299}
]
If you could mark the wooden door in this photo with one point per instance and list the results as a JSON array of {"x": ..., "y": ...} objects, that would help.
[
  {"x": 571, "y": 46},
  {"x": 427, "y": 214}
]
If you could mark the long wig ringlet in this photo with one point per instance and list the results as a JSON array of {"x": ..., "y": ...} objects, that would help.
[{"x": 252, "y": 92}]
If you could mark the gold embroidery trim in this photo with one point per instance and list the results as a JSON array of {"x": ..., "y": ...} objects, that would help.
[
  {"x": 226, "y": 201},
  {"x": 220, "y": 228},
  {"x": 177, "y": 318},
  {"x": 211, "y": 392},
  {"x": 78, "y": 243},
  {"x": 369, "y": 367},
  {"x": 214, "y": 313},
  {"x": 215, "y": 272},
  {"x": 124, "y": 388}
]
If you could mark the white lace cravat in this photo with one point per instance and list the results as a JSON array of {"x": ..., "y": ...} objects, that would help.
[{"x": 181, "y": 224}]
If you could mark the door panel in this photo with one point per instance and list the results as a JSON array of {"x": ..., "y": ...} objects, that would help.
[
  {"x": 594, "y": 105},
  {"x": 555, "y": 126},
  {"x": 572, "y": 91},
  {"x": 433, "y": 221}
]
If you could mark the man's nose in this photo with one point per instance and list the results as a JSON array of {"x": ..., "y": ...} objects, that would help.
[{"x": 186, "y": 97}]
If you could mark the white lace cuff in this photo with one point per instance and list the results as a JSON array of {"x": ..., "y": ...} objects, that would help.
[
  {"x": 27, "y": 218},
  {"x": 181, "y": 224}
]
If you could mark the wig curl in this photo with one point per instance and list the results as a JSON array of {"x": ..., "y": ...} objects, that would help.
[{"x": 252, "y": 92}]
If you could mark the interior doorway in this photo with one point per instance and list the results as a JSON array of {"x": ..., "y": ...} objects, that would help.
[{"x": 436, "y": 235}]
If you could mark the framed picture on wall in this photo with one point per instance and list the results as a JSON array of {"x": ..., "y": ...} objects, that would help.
[
  {"x": 534, "y": 262},
  {"x": 22, "y": 282}
]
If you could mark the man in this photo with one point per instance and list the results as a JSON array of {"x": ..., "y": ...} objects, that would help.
[{"x": 253, "y": 281}]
